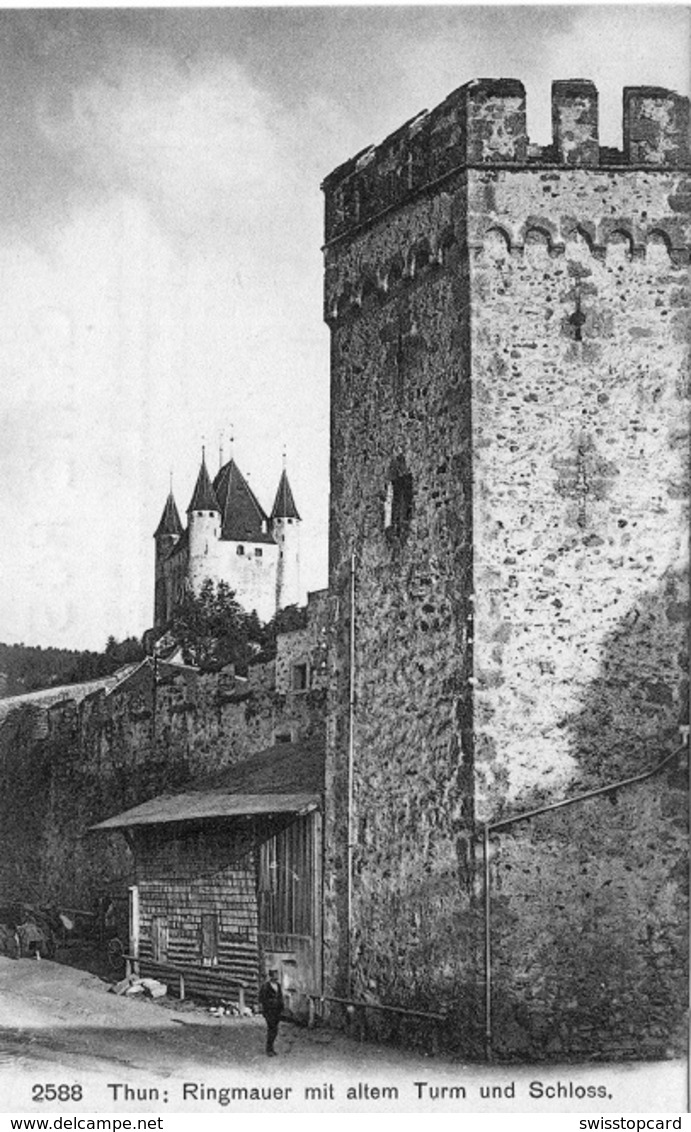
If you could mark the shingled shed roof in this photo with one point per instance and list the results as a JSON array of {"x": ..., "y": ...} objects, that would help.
[
  {"x": 242, "y": 517},
  {"x": 284, "y": 504},
  {"x": 170, "y": 523},
  {"x": 286, "y": 778}
]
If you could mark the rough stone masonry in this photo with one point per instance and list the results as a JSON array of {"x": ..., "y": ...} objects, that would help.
[{"x": 509, "y": 524}]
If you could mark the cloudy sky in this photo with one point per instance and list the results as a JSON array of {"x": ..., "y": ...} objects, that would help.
[{"x": 160, "y": 254}]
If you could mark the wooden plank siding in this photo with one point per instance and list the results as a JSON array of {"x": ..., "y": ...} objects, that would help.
[
  {"x": 289, "y": 896},
  {"x": 230, "y": 895},
  {"x": 195, "y": 880},
  {"x": 223, "y": 900},
  {"x": 286, "y": 897}
]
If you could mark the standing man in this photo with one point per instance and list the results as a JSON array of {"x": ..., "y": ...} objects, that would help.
[{"x": 271, "y": 1002}]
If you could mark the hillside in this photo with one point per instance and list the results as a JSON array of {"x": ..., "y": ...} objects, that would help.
[{"x": 28, "y": 668}]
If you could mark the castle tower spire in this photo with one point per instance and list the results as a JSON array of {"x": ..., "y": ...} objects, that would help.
[
  {"x": 167, "y": 535},
  {"x": 284, "y": 503},
  {"x": 204, "y": 530},
  {"x": 285, "y": 527},
  {"x": 170, "y": 523},
  {"x": 203, "y": 497}
]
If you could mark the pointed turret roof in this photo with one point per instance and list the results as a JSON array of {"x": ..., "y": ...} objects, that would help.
[
  {"x": 284, "y": 504},
  {"x": 203, "y": 497},
  {"x": 242, "y": 517},
  {"x": 170, "y": 519}
]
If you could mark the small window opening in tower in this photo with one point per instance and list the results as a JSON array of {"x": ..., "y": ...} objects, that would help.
[
  {"x": 398, "y": 505},
  {"x": 240, "y": 550},
  {"x": 388, "y": 506},
  {"x": 300, "y": 677},
  {"x": 258, "y": 552},
  {"x": 577, "y": 319}
]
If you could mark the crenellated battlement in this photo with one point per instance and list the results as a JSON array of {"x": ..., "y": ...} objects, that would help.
[{"x": 484, "y": 124}]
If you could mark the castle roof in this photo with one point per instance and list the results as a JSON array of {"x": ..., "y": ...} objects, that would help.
[
  {"x": 203, "y": 498},
  {"x": 242, "y": 517},
  {"x": 170, "y": 523},
  {"x": 284, "y": 504}
]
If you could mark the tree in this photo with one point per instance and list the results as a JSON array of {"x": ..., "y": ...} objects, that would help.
[
  {"x": 124, "y": 652},
  {"x": 213, "y": 629},
  {"x": 28, "y": 668},
  {"x": 285, "y": 620}
]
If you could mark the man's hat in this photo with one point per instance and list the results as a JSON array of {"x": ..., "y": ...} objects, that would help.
[{"x": 273, "y": 971}]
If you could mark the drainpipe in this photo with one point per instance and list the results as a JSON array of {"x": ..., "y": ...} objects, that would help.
[
  {"x": 503, "y": 823},
  {"x": 351, "y": 751},
  {"x": 488, "y": 943}
]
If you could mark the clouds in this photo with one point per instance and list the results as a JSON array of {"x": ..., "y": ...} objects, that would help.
[
  {"x": 160, "y": 240},
  {"x": 96, "y": 103},
  {"x": 151, "y": 298},
  {"x": 197, "y": 145},
  {"x": 615, "y": 46},
  {"x": 618, "y": 47}
]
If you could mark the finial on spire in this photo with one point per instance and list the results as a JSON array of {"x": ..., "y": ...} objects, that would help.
[
  {"x": 170, "y": 482},
  {"x": 232, "y": 441},
  {"x": 285, "y": 457},
  {"x": 220, "y": 450}
]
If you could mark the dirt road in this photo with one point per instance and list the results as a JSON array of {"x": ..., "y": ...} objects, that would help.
[{"x": 60, "y": 1026}]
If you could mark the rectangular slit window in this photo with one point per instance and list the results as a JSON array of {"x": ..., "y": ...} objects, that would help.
[
  {"x": 209, "y": 939},
  {"x": 300, "y": 677},
  {"x": 398, "y": 505},
  {"x": 159, "y": 939}
]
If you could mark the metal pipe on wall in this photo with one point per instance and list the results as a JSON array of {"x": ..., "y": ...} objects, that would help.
[
  {"x": 351, "y": 752},
  {"x": 502, "y": 823},
  {"x": 488, "y": 944}
]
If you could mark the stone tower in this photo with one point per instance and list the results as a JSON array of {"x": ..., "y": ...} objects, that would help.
[
  {"x": 167, "y": 535},
  {"x": 285, "y": 528},
  {"x": 509, "y": 490}
]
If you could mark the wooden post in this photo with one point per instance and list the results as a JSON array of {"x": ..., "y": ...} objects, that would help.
[
  {"x": 241, "y": 998},
  {"x": 134, "y": 921},
  {"x": 182, "y": 987}
]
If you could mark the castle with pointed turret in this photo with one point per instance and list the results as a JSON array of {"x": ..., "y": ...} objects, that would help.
[{"x": 229, "y": 538}]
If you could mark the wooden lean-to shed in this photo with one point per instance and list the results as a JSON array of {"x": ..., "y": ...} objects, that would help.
[{"x": 228, "y": 877}]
